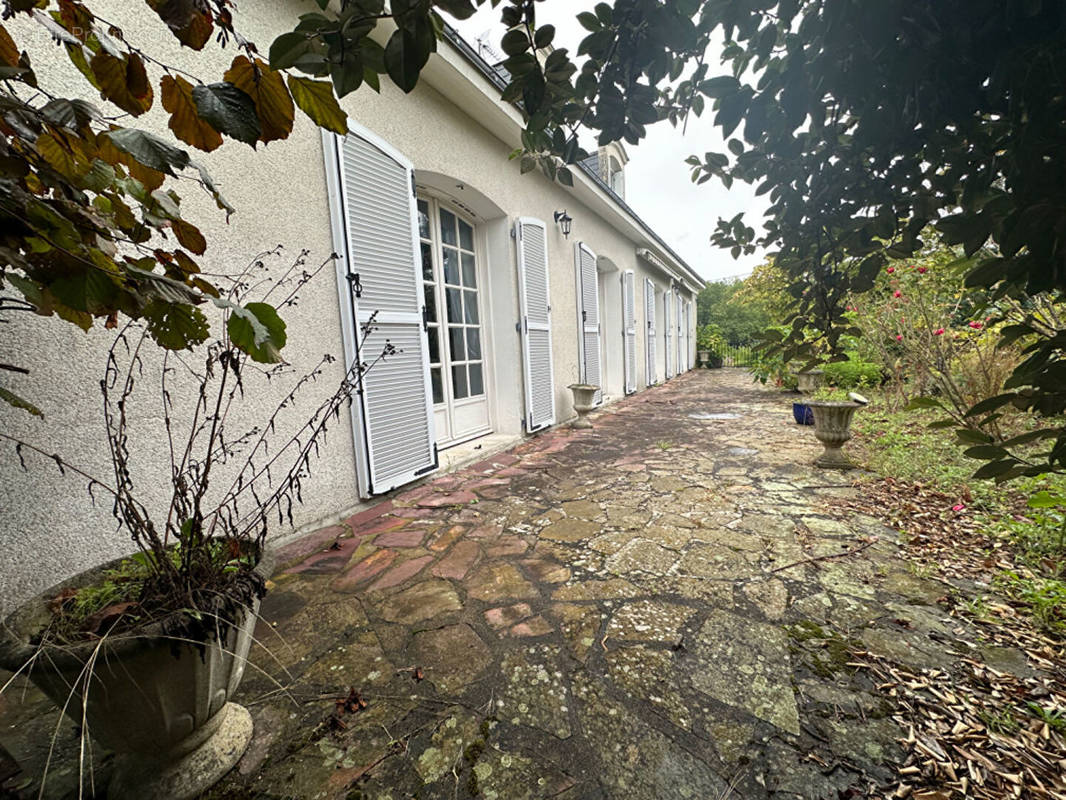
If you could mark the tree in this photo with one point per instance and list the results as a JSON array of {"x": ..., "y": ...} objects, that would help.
[
  {"x": 738, "y": 322},
  {"x": 862, "y": 122}
]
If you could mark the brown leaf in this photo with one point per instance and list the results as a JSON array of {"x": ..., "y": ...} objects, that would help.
[
  {"x": 176, "y": 93},
  {"x": 106, "y": 618},
  {"x": 189, "y": 236},
  {"x": 9, "y": 51},
  {"x": 123, "y": 81},
  {"x": 273, "y": 103},
  {"x": 187, "y": 20}
]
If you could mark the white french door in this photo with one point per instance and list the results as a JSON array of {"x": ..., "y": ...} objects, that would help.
[{"x": 452, "y": 319}]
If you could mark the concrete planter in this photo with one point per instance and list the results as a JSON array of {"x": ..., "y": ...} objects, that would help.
[
  {"x": 809, "y": 381},
  {"x": 832, "y": 427},
  {"x": 161, "y": 704},
  {"x": 584, "y": 402},
  {"x": 704, "y": 357}
]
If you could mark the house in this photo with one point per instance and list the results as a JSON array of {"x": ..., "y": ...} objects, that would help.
[{"x": 493, "y": 308}]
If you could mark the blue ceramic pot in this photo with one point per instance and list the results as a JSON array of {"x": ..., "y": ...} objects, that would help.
[{"x": 802, "y": 414}]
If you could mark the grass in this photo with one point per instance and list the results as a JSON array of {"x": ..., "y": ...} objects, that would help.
[{"x": 901, "y": 445}]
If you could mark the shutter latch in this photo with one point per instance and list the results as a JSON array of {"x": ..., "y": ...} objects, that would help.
[
  {"x": 584, "y": 316},
  {"x": 425, "y": 318},
  {"x": 353, "y": 282}
]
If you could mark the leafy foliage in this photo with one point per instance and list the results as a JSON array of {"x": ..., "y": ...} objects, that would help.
[
  {"x": 739, "y": 323},
  {"x": 198, "y": 553}
]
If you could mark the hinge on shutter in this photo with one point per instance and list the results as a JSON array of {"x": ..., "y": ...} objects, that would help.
[
  {"x": 425, "y": 318},
  {"x": 584, "y": 316},
  {"x": 353, "y": 282},
  {"x": 414, "y": 191}
]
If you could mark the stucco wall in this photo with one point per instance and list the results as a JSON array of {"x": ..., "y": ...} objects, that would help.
[{"x": 49, "y": 529}]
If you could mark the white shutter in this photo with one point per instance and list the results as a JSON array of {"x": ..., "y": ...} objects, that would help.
[
  {"x": 680, "y": 340},
  {"x": 629, "y": 330},
  {"x": 668, "y": 331},
  {"x": 688, "y": 334},
  {"x": 649, "y": 335},
  {"x": 535, "y": 325},
  {"x": 380, "y": 280},
  {"x": 588, "y": 312}
]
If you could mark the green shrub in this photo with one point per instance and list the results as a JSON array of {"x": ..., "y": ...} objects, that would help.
[{"x": 852, "y": 374}]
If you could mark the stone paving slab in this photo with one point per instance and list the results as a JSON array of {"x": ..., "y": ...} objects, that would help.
[{"x": 634, "y": 611}]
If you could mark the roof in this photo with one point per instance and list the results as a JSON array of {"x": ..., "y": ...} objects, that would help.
[{"x": 499, "y": 77}]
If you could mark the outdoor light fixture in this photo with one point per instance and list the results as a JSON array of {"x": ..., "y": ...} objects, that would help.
[{"x": 565, "y": 221}]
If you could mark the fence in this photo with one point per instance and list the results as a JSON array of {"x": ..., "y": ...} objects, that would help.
[{"x": 736, "y": 355}]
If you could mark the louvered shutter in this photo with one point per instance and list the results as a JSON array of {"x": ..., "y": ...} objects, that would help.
[
  {"x": 629, "y": 330},
  {"x": 535, "y": 325},
  {"x": 588, "y": 297},
  {"x": 668, "y": 331},
  {"x": 649, "y": 335},
  {"x": 380, "y": 278},
  {"x": 680, "y": 337}
]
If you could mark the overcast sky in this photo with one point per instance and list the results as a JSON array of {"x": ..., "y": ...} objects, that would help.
[{"x": 657, "y": 179}]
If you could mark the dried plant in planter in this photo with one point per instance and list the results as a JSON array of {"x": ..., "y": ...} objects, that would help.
[{"x": 228, "y": 483}]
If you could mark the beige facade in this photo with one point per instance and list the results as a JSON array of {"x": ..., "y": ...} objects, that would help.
[{"x": 457, "y": 136}]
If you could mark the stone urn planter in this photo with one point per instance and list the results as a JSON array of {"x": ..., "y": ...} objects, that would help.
[
  {"x": 809, "y": 381},
  {"x": 832, "y": 427},
  {"x": 161, "y": 704},
  {"x": 704, "y": 356},
  {"x": 584, "y": 402}
]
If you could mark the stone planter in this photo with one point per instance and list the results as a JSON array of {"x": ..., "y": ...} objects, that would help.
[
  {"x": 584, "y": 402},
  {"x": 704, "y": 357},
  {"x": 161, "y": 704},
  {"x": 832, "y": 427},
  {"x": 809, "y": 381}
]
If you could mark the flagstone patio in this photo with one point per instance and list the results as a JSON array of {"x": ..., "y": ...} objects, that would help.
[{"x": 661, "y": 607}]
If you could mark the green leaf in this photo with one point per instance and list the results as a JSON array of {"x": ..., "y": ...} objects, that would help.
[
  {"x": 315, "y": 98},
  {"x": 229, "y": 110},
  {"x": 985, "y": 452},
  {"x": 406, "y": 52},
  {"x": 257, "y": 329},
  {"x": 13, "y": 399},
  {"x": 995, "y": 469},
  {"x": 149, "y": 149},
  {"x": 970, "y": 436},
  {"x": 720, "y": 86},
  {"x": 991, "y": 404},
  {"x": 923, "y": 402},
  {"x": 176, "y": 326},
  {"x": 287, "y": 49},
  {"x": 1045, "y": 499}
]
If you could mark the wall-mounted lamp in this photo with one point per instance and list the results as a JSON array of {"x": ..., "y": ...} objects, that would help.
[{"x": 565, "y": 221}]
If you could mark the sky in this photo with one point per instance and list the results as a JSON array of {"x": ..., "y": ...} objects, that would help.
[{"x": 658, "y": 186}]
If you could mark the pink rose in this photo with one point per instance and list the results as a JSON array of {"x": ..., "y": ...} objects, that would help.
[
  {"x": 890, "y": 270},
  {"x": 976, "y": 325},
  {"x": 922, "y": 270},
  {"x": 897, "y": 293},
  {"x": 899, "y": 337},
  {"x": 938, "y": 332},
  {"x": 958, "y": 507}
]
